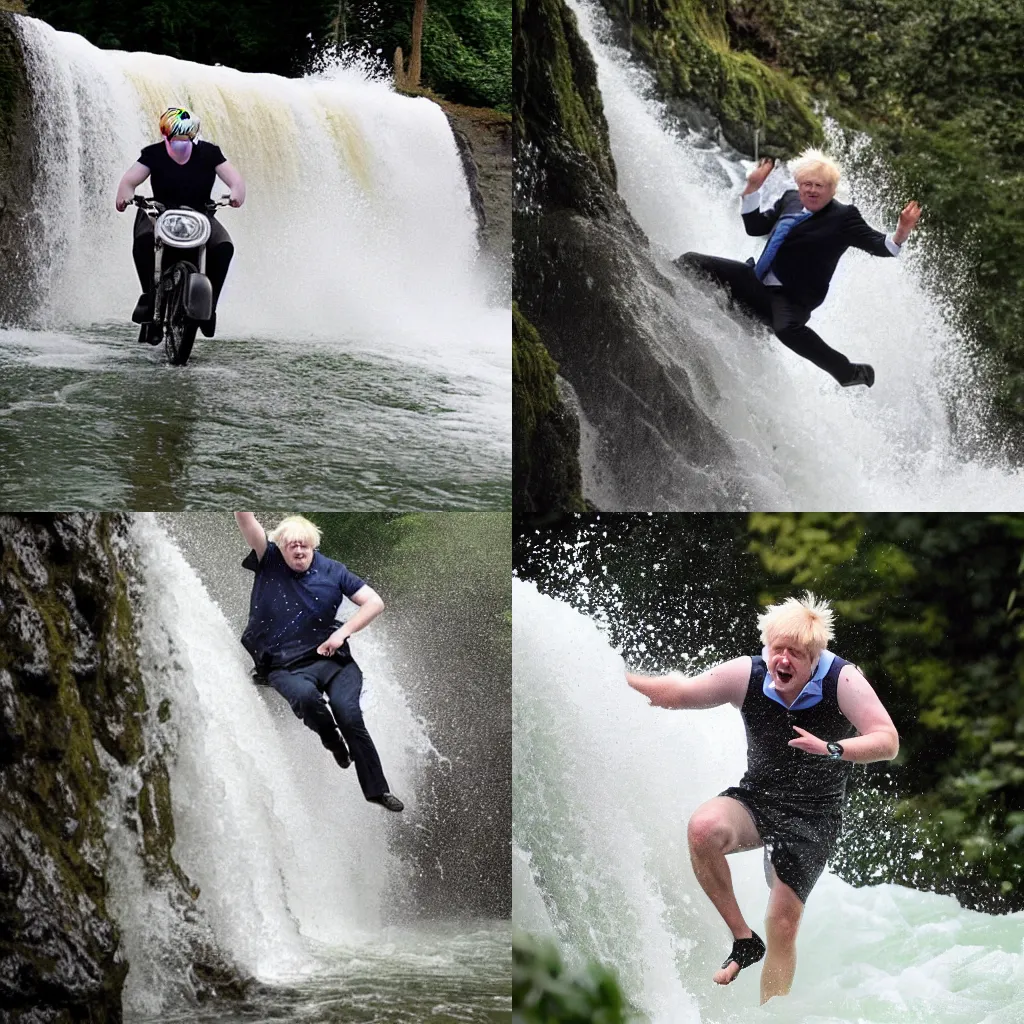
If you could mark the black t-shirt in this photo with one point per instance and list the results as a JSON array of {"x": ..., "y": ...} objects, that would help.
[{"x": 187, "y": 184}]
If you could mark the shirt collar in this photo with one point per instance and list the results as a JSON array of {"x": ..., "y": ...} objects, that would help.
[{"x": 810, "y": 694}]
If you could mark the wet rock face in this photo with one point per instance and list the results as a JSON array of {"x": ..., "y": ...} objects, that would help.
[
  {"x": 546, "y": 477},
  {"x": 72, "y": 713},
  {"x": 615, "y": 330},
  {"x": 58, "y": 946},
  {"x": 585, "y": 279},
  {"x": 484, "y": 138},
  {"x": 17, "y": 282}
]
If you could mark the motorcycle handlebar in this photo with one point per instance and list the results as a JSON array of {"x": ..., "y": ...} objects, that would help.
[{"x": 145, "y": 203}]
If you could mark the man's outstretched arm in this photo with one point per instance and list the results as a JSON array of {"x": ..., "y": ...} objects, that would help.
[
  {"x": 754, "y": 221},
  {"x": 254, "y": 534},
  {"x": 723, "y": 684},
  {"x": 863, "y": 236}
]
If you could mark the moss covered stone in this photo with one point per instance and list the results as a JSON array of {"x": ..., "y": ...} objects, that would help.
[
  {"x": 564, "y": 156},
  {"x": 73, "y": 708},
  {"x": 686, "y": 43},
  {"x": 18, "y": 281},
  {"x": 546, "y": 478}
]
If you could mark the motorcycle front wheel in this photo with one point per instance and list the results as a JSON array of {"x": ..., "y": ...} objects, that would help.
[{"x": 179, "y": 330}]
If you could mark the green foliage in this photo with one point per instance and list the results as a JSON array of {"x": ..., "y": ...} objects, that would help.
[
  {"x": 466, "y": 50},
  {"x": 467, "y": 53},
  {"x": 545, "y": 992},
  {"x": 686, "y": 42},
  {"x": 926, "y": 607},
  {"x": 939, "y": 89}
]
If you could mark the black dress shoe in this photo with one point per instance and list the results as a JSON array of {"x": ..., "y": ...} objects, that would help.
[
  {"x": 208, "y": 326},
  {"x": 388, "y": 800},
  {"x": 860, "y": 373},
  {"x": 341, "y": 755}
]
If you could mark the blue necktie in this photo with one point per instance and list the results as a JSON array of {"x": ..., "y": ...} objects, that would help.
[{"x": 782, "y": 228}]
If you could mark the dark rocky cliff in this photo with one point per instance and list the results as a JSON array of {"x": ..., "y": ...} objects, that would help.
[
  {"x": 17, "y": 175},
  {"x": 484, "y": 138},
  {"x": 74, "y": 755}
]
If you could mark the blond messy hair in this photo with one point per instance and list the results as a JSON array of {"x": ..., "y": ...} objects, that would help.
[
  {"x": 807, "y": 622},
  {"x": 295, "y": 528},
  {"x": 814, "y": 161}
]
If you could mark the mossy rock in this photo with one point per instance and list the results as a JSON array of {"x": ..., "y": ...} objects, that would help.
[
  {"x": 558, "y": 114},
  {"x": 686, "y": 44},
  {"x": 546, "y": 480},
  {"x": 19, "y": 280},
  {"x": 72, "y": 709}
]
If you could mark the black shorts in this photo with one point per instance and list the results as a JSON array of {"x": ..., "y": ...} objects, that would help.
[{"x": 798, "y": 840}]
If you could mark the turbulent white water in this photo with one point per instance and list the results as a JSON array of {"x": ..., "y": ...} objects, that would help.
[
  {"x": 287, "y": 854},
  {"x": 804, "y": 442},
  {"x": 355, "y": 305},
  {"x": 603, "y": 788},
  {"x": 357, "y": 210}
]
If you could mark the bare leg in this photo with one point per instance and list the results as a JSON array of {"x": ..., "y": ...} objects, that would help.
[
  {"x": 782, "y": 922},
  {"x": 719, "y": 827}
]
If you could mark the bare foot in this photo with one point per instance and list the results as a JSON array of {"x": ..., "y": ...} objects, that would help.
[{"x": 726, "y": 974}]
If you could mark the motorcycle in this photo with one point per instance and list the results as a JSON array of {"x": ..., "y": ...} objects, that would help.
[{"x": 182, "y": 294}]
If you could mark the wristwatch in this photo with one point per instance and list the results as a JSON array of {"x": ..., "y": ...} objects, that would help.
[{"x": 835, "y": 751}]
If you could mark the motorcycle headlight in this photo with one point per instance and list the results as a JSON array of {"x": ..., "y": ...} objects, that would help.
[{"x": 183, "y": 229}]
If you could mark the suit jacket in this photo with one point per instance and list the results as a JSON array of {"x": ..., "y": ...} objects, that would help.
[{"x": 810, "y": 253}]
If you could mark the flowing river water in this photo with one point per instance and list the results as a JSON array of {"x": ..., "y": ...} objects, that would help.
[{"x": 361, "y": 354}]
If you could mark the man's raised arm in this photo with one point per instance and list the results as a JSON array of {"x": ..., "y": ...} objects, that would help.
[
  {"x": 723, "y": 684},
  {"x": 254, "y": 534}
]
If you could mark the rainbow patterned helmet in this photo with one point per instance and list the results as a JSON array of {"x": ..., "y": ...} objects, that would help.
[{"x": 176, "y": 122}]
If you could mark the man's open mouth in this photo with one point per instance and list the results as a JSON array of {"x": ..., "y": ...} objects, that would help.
[{"x": 783, "y": 676}]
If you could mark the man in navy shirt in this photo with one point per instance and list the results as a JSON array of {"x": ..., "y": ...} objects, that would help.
[{"x": 298, "y": 644}]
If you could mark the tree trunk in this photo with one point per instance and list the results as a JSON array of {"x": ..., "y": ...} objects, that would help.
[
  {"x": 338, "y": 28},
  {"x": 417, "y": 38}
]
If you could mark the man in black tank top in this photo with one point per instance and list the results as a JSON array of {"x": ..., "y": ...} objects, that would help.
[{"x": 809, "y": 717}]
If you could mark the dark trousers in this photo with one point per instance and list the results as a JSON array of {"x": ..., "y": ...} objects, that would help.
[
  {"x": 219, "y": 250},
  {"x": 304, "y": 686},
  {"x": 771, "y": 306}
]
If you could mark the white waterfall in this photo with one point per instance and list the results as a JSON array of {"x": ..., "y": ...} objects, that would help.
[
  {"x": 802, "y": 441},
  {"x": 285, "y": 851},
  {"x": 603, "y": 787},
  {"x": 357, "y": 220}
]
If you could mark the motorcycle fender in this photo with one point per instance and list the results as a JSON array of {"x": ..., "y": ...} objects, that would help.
[{"x": 198, "y": 297}]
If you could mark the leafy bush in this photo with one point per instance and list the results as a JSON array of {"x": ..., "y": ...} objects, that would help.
[{"x": 545, "y": 992}]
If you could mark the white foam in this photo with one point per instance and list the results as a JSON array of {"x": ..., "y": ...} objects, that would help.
[
  {"x": 603, "y": 787},
  {"x": 804, "y": 442}
]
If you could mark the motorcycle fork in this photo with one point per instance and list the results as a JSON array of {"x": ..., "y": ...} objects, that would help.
[{"x": 158, "y": 260}]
